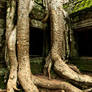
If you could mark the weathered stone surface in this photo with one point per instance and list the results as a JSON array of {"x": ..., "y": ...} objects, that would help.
[
  {"x": 37, "y": 24},
  {"x": 38, "y": 12},
  {"x": 82, "y": 24}
]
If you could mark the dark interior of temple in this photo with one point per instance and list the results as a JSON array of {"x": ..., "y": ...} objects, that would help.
[
  {"x": 84, "y": 42},
  {"x": 36, "y": 42}
]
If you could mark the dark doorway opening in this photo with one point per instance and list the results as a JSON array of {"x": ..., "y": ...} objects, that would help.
[
  {"x": 84, "y": 42},
  {"x": 36, "y": 42}
]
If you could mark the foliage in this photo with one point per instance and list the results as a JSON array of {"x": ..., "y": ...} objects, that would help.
[
  {"x": 78, "y": 5},
  {"x": 82, "y": 4}
]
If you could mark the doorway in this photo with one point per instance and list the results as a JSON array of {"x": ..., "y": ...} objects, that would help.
[{"x": 84, "y": 42}]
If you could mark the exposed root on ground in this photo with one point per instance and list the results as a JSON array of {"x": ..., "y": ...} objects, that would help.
[
  {"x": 88, "y": 90},
  {"x": 63, "y": 69},
  {"x": 2, "y": 90},
  {"x": 44, "y": 82},
  {"x": 24, "y": 76},
  {"x": 54, "y": 84},
  {"x": 56, "y": 53},
  {"x": 69, "y": 72}
]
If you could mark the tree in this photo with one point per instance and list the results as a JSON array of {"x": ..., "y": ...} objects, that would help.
[
  {"x": 24, "y": 72},
  {"x": 19, "y": 61}
]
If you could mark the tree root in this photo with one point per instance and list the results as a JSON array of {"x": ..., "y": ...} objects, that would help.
[
  {"x": 74, "y": 68},
  {"x": 2, "y": 90},
  {"x": 68, "y": 71},
  {"x": 63, "y": 69},
  {"x": 10, "y": 44},
  {"x": 56, "y": 53},
  {"x": 11, "y": 85},
  {"x": 11, "y": 8},
  {"x": 47, "y": 66},
  {"x": 25, "y": 79},
  {"x": 44, "y": 82},
  {"x": 88, "y": 90},
  {"x": 54, "y": 84}
]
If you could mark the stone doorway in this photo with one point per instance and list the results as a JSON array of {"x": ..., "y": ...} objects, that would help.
[{"x": 84, "y": 42}]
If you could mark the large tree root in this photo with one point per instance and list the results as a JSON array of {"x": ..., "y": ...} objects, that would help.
[
  {"x": 11, "y": 7},
  {"x": 42, "y": 81},
  {"x": 24, "y": 76},
  {"x": 10, "y": 45},
  {"x": 65, "y": 70},
  {"x": 2, "y": 90},
  {"x": 56, "y": 53},
  {"x": 11, "y": 85},
  {"x": 54, "y": 84}
]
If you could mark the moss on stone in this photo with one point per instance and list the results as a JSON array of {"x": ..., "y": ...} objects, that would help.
[
  {"x": 78, "y": 5},
  {"x": 82, "y": 64},
  {"x": 37, "y": 65},
  {"x": 82, "y": 5},
  {"x": 38, "y": 11},
  {"x": 2, "y": 74},
  {"x": 2, "y": 84},
  {"x": 39, "y": 1}
]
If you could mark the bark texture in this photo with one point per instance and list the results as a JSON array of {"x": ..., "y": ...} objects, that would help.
[
  {"x": 24, "y": 73},
  {"x": 11, "y": 7},
  {"x": 11, "y": 85},
  {"x": 57, "y": 32},
  {"x": 54, "y": 84},
  {"x": 56, "y": 53},
  {"x": 10, "y": 46},
  {"x": 63, "y": 69}
]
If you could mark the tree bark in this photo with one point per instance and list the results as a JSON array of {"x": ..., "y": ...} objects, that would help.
[
  {"x": 11, "y": 85},
  {"x": 24, "y": 73},
  {"x": 56, "y": 53},
  {"x": 54, "y": 84},
  {"x": 57, "y": 31},
  {"x": 11, "y": 7},
  {"x": 10, "y": 46}
]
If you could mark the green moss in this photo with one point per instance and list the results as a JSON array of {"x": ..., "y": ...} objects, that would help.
[
  {"x": 82, "y": 5},
  {"x": 36, "y": 68},
  {"x": 2, "y": 74},
  {"x": 2, "y": 84},
  {"x": 82, "y": 64},
  {"x": 78, "y": 5},
  {"x": 38, "y": 1},
  {"x": 38, "y": 12},
  {"x": 37, "y": 65}
]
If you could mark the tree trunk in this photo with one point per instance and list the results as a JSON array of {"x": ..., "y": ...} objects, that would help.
[
  {"x": 11, "y": 85},
  {"x": 10, "y": 46},
  {"x": 24, "y": 73},
  {"x": 57, "y": 34},
  {"x": 11, "y": 7}
]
